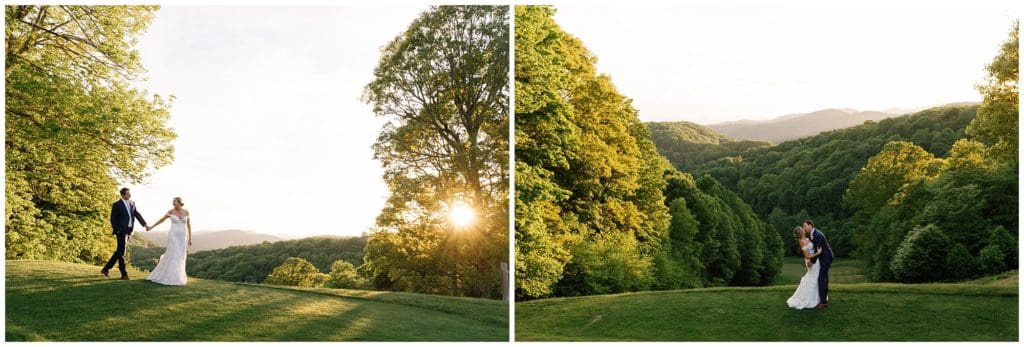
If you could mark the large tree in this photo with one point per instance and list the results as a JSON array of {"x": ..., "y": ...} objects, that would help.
[
  {"x": 443, "y": 87},
  {"x": 75, "y": 126},
  {"x": 590, "y": 214}
]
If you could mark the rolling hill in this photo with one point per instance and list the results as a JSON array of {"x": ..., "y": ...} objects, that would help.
[
  {"x": 978, "y": 310},
  {"x": 56, "y": 301},
  {"x": 795, "y": 126},
  {"x": 213, "y": 239}
]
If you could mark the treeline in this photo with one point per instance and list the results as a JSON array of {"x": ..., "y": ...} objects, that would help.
[
  {"x": 930, "y": 196},
  {"x": 806, "y": 178},
  {"x": 75, "y": 126},
  {"x": 927, "y": 216},
  {"x": 253, "y": 263},
  {"x": 598, "y": 210}
]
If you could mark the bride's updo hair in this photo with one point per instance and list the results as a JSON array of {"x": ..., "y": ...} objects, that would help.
[
  {"x": 178, "y": 199},
  {"x": 798, "y": 233}
]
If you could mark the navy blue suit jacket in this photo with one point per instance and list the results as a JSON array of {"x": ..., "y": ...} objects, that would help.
[
  {"x": 820, "y": 241},
  {"x": 120, "y": 219}
]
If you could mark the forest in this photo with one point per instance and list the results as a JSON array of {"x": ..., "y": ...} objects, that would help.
[
  {"x": 253, "y": 263},
  {"x": 929, "y": 196},
  {"x": 598, "y": 210}
]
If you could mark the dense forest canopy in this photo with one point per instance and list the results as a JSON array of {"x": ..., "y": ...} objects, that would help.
[
  {"x": 930, "y": 196},
  {"x": 598, "y": 210},
  {"x": 253, "y": 263}
]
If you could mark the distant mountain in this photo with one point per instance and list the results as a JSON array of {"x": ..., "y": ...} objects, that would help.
[
  {"x": 207, "y": 240},
  {"x": 795, "y": 126}
]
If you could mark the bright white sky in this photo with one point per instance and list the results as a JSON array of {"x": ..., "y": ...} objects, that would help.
[
  {"x": 709, "y": 62},
  {"x": 272, "y": 135}
]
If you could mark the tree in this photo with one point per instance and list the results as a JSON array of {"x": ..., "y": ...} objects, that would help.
[
  {"x": 75, "y": 128},
  {"x": 296, "y": 272},
  {"x": 588, "y": 176},
  {"x": 443, "y": 87},
  {"x": 922, "y": 256},
  {"x": 991, "y": 260},
  {"x": 1007, "y": 244},
  {"x": 343, "y": 275},
  {"x": 997, "y": 120},
  {"x": 960, "y": 264},
  {"x": 899, "y": 163}
]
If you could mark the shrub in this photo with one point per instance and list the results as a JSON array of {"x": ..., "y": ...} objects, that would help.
[
  {"x": 343, "y": 275},
  {"x": 960, "y": 264},
  {"x": 296, "y": 272},
  {"x": 1000, "y": 237},
  {"x": 921, "y": 257},
  {"x": 992, "y": 259}
]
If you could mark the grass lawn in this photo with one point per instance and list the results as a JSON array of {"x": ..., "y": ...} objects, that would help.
[
  {"x": 844, "y": 270},
  {"x": 980, "y": 310},
  {"x": 55, "y": 301}
]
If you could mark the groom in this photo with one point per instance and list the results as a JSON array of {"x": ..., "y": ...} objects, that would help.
[
  {"x": 122, "y": 219},
  {"x": 820, "y": 242}
]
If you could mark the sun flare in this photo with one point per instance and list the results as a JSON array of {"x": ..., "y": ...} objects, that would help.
[{"x": 461, "y": 215}]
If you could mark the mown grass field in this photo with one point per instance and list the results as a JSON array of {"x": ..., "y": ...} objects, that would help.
[
  {"x": 979, "y": 310},
  {"x": 55, "y": 301}
]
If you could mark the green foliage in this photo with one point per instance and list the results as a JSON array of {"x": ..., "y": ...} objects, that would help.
[
  {"x": 997, "y": 120},
  {"x": 687, "y": 144},
  {"x": 588, "y": 178},
  {"x": 959, "y": 263},
  {"x": 1001, "y": 238},
  {"x": 75, "y": 128},
  {"x": 442, "y": 85},
  {"x": 971, "y": 196},
  {"x": 991, "y": 260},
  {"x": 807, "y": 178},
  {"x": 253, "y": 263},
  {"x": 296, "y": 272},
  {"x": 897, "y": 164},
  {"x": 922, "y": 256},
  {"x": 344, "y": 275}
]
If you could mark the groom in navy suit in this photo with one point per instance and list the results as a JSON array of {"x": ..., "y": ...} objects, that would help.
[
  {"x": 826, "y": 257},
  {"x": 122, "y": 219}
]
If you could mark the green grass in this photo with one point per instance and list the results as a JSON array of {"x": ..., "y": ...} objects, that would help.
[
  {"x": 979, "y": 310},
  {"x": 55, "y": 301},
  {"x": 843, "y": 271}
]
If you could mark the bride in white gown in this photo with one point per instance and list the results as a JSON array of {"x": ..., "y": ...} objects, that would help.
[
  {"x": 170, "y": 269},
  {"x": 806, "y": 295}
]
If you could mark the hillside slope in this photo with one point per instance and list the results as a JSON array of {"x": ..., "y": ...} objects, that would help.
[
  {"x": 54, "y": 301},
  {"x": 858, "y": 312}
]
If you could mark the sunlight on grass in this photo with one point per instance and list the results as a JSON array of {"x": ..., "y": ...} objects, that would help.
[{"x": 45, "y": 298}]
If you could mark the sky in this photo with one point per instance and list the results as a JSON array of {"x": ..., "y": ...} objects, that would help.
[
  {"x": 710, "y": 62},
  {"x": 272, "y": 134}
]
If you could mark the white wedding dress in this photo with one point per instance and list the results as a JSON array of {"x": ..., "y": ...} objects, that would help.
[
  {"x": 170, "y": 269},
  {"x": 806, "y": 295}
]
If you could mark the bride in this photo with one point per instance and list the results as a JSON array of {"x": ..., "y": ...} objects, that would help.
[
  {"x": 806, "y": 295},
  {"x": 170, "y": 269}
]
